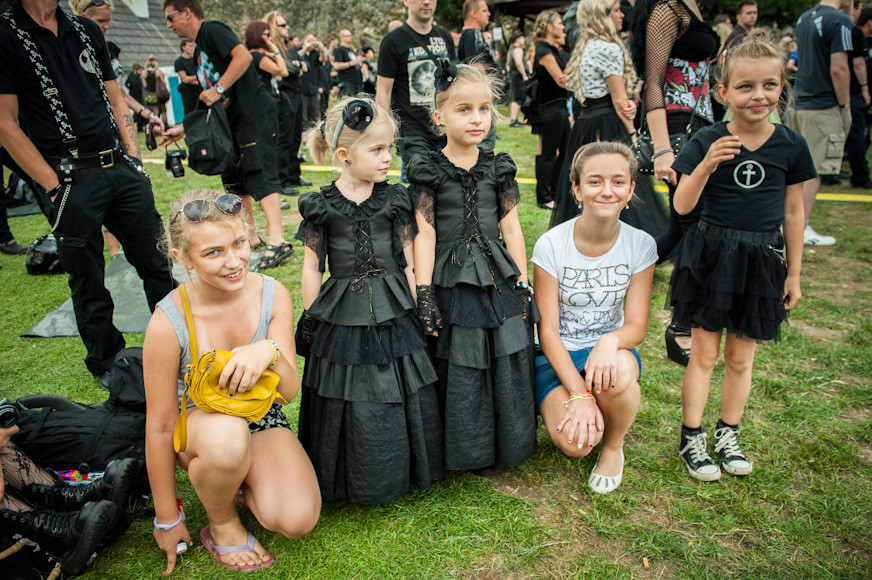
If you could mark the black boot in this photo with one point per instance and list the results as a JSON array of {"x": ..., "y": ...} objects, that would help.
[
  {"x": 116, "y": 486},
  {"x": 71, "y": 537}
]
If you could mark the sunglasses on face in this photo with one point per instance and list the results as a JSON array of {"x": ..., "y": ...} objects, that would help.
[
  {"x": 169, "y": 16},
  {"x": 196, "y": 210},
  {"x": 282, "y": 25}
]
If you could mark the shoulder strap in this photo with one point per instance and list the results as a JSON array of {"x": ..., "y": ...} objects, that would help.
[
  {"x": 49, "y": 90},
  {"x": 189, "y": 321},
  {"x": 416, "y": 38}
]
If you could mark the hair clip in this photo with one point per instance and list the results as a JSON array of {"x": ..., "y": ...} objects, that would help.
[{"x": 357, "y": 115}]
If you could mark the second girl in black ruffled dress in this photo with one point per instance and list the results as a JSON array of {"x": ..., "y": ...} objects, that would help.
[
  {"x": 473, "y": 293},
  {"x": 369, "y": 416}
]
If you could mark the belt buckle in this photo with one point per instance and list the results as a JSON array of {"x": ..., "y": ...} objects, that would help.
[{"x": 107, "y": 158}]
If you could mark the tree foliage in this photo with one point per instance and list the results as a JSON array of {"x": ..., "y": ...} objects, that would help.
[
  {"x": 773, "y": 13},
  {"x": 366, "y": 19}
]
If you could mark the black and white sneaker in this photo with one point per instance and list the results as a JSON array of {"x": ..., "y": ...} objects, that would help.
[
  {"x": 727, "y": 446},
  {"x": 695, "y": 455}
]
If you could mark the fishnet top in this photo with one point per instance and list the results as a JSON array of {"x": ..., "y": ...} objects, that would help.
[
  {"x": 677, "y": 48},
  {"x": 669, "y": 20}
]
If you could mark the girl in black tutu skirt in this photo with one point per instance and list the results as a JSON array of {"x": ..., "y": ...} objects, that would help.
[
  {"x": 601, "y": 75},
  {"x": 731, "y": 276},
  {"x": 369, "y": 416},
  {"x": 471, "y": 271}
]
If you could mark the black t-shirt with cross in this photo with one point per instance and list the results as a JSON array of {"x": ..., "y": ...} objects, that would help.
[{"x": 747, "y": 193}]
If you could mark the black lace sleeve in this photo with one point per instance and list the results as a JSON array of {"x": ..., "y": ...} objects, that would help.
[
  {"x": 313, "y": 208},
  {"x": 508, "y": 194},
  {"x": 424, "y": 181},
  {"x": 668, "y": 21},
  {"x": 405, "y": 227},
  {"x": 314, "y": 237}
]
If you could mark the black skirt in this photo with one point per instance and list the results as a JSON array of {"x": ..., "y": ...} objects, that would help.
[
  {"x": 599, "y": 121},
  {"x": 730, "y": 280}
]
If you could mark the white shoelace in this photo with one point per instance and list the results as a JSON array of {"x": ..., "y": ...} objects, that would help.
[
  {"x": 697, "y": 446},
  {"x": 726, "y": 439}
]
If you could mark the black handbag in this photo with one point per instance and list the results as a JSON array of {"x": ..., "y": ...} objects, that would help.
[
  {"x": 210, "y": 143},
  {"x": 643, "y": 145}
]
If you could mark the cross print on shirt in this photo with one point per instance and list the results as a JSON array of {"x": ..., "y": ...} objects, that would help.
[{"x": 749, "y": 174}]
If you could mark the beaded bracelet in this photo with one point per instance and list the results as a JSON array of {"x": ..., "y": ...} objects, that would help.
[
  {"x": 168, "y": 527},
  {"x": 276, "y": 354},
  {"x": 577, "y": 396}
]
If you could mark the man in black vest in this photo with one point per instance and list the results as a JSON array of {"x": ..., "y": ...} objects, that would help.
[{"x": 81, "y": 150}]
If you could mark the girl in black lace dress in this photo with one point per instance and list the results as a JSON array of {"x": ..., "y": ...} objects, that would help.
[
  {"x": 369, "y": 416},
  {"x": 471, "y": 271}
]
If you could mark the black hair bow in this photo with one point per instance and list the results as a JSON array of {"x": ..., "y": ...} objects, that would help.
[
  {"x": 357, "y": 115},
  {"x": 445, "y": 75}
]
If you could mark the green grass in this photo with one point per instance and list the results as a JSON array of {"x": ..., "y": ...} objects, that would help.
[{"x": 805, "y": 512}]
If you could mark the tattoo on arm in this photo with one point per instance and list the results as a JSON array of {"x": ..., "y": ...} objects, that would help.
[{"x": 132, "y": 146}]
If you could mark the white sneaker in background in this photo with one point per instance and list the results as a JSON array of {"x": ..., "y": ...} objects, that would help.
[{"x": 812, "y": 238}]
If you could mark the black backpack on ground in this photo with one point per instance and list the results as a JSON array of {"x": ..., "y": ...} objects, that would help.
[{"x": 62, "y": 434}]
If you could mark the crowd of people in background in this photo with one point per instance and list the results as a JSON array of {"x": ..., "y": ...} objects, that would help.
[{"x": 422, "y": 350}]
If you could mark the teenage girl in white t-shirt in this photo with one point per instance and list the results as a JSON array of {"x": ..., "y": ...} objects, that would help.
[{"x": 585, "y": 271}]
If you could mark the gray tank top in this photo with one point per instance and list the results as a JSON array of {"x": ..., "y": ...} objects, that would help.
[{"x": 177, "y": 319}]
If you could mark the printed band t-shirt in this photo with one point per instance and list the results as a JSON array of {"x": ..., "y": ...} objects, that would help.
[
  {"x": 402, "y": 57},
  {"x": 215, "y": 41},
  {"x": 591, "y": 291},
  {"x": 747, "y": 193},
  {"x": 820, "y": 32}
]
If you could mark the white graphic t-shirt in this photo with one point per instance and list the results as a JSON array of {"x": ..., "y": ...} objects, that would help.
[{"x": 591, "y": 291}]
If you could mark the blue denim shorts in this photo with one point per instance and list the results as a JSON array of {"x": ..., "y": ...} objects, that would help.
[{"x": 546, "y": 378}]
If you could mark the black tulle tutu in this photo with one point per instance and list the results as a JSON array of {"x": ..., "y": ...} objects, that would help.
[{"x": 730, "y": 280}]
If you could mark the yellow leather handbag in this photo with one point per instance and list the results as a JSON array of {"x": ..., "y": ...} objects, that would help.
[{"x": 201, "y": 384}]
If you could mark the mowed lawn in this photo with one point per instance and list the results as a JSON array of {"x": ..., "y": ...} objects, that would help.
[{"x": 805, "y": 512}]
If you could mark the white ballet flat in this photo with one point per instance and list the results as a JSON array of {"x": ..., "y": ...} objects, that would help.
[{"x": 605, "y": 484}]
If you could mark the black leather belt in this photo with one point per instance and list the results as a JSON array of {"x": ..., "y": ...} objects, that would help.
[{"x": 103, "y": 160}]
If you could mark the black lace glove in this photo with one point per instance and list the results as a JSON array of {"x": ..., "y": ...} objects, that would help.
[
  {"x": 428, "y": 310},
  {"x": 525, "y": 292},
  {"x": 305, "y": 335}
]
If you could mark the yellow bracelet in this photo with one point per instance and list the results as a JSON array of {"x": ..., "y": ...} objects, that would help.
[{"x": 577, "y": 396}]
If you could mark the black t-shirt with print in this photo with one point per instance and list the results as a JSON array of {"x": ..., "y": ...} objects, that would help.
[
  {"x": 402, "y": 57},
  {"x": 215, "y": 41},
  {"x": 74, "y": 76},
  {"x": 747, "y": 193}
]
